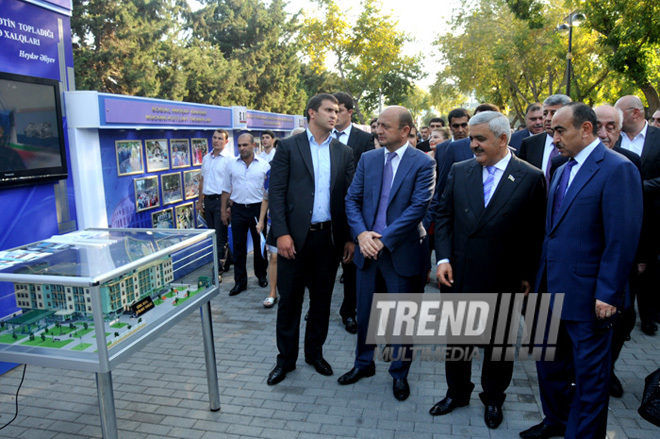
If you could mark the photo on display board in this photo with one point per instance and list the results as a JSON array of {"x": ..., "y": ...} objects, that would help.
[
  {"x": 163, "y": 219},
  {"x": 180, "y": 153},
  {"x": 191, "y": 183},
  {"x": 146, "y": 193},
  {"x": 185, "y": 216},
  {"x": 129, "y": 157},
  {"x": 199, "y": 149},
  {"x": 158, "y": 155},
  {"x": 172, "y": 191}
]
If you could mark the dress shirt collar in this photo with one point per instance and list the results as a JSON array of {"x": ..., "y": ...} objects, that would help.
[
  {"x": 346, "y": 131},
  {"x": 582, "y": 155},
  {"x": 311, "y": 139},
  {"x": 502, "y": 164},
  {"x": 399, "y": 151}
]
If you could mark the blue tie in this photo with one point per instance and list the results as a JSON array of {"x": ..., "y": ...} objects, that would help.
[
  {"x": 488, "y": 184},
  {"x": 381, "y": 215},
  {"x": 560, "y": 193}
]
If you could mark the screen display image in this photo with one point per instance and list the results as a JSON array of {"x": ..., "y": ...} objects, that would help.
[{"x": 31, "y": 133}]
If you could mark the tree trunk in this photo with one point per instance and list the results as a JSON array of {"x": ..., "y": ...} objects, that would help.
[{"x": 652, "y": 98}]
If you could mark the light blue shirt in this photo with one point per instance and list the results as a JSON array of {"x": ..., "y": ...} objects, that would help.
[
  {"x": 321, "y": 163},
  {"x": 580, "y": 159}
]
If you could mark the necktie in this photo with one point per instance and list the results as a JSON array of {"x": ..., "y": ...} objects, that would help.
[
  {"x": 381, "y": 215},
  {"x": 488, "y": 184},
  {"x": 561, "y": 188},
  {"x": 553, "y": 153},
  {"x": 338, "y": 135}
]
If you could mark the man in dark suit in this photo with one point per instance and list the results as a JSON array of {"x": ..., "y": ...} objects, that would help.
[
  {"x": 489, "y": 230},
  {"x": 361, "y": 142},
  {"x": 539, "y": 149},
  {"x": 641, "y": 138},
  {"x": 533, "y": 126},
  {"x": 310, "y": 176},
  {"x": 592, "y": 227},
  {"x": 385, "y": 205}
]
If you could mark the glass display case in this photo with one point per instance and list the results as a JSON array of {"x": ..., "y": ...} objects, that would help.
[{"x": 91, "y": 298}]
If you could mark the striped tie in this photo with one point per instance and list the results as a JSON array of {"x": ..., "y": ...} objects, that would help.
[{"x": 488, "y": 184}]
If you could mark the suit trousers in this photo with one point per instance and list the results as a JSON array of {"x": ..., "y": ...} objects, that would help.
[
  {"x": 243, "y": 219},
  {"x": 349, "y": 304},
  {"x": 583, "y": 356},
  {"x": 379, "y": 276},
  {"x": 645, "y": 287},
  {"x": 315, "y": 267},
  {"x": 212, "y": 216}
]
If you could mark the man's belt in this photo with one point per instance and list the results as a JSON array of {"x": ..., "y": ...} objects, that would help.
[{"x": 315, "y": 227}]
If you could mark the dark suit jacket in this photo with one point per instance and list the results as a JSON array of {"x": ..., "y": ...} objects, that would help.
[
  {"x": 291, "y": 191},
  {"x": 517, "y": 138},
  {"x": 424, "y": 146},
  {"x": 491, "y": 249},
  {"x": 590, "y": 247},
  {"x": 361, "y": 142},
  {"x": 650, "y": 158},
  {"x": 412, "y": 190},
  {"x": 634, "y": 158}
]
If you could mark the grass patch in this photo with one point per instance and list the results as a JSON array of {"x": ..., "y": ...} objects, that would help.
[
  {"x": 49, "y": 343},
  {"x": 81, "y": 347},
  {"x": 158, "y": 301},
  {"x": 106, "y": 334},
  {"x": 82, "y": 332},
  {"x": 118, "y": 325},
  {"x": 8, "y": 339}
]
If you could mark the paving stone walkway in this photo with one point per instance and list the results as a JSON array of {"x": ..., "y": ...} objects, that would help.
[{"x": 162, "y": 393}]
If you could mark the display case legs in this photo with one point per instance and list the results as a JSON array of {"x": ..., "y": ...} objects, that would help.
[
  {"x": 209, "y": 355},
  {"x": 107, "y": 405}
]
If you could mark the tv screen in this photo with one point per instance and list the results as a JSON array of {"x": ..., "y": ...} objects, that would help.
[{"x": 31, "y": 130}]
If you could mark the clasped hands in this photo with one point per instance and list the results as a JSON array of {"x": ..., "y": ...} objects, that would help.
[{"x": 370, "y": 244}]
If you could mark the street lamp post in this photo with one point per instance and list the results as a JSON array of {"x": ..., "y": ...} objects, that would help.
[{"x": 574, "y": 19}]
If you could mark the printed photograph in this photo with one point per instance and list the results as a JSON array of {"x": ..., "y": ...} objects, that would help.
[
  {"x": 185, "y": 216},
  {"x": 136, "y": 248},
  {"x": 146, "y": 193},
  {"x": 129, "y": 157},
  {"x": 199, "y": 148},
  {"x": 158, "y": 156},
  {"x": 172, "y": 191},
  {"x": 191, "y": 183},
  {"x": 180, "y": 153},
  {"x": 163, "y": 219}
]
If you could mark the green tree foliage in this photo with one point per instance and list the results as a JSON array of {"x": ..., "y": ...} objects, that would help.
[
  {"x": 511, "y": 62},
  {"x": 368, "y": 54}
]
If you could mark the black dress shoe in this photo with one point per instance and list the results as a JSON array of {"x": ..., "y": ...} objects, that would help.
[
  {"x": 401, "y": 389},
  {"x": 616, "y": 388},
  {"x": 238, "y": 289},
  {"x": 355, "y": 375},
  {"x": 278, "y": 374},
  {"x": 263, "y": 282},
  {"x": 649, "y": 328},
  {"x": 321, "y": 366},
  {"x": 493, "y": 416},
  {"x": 351, "y": 325},
  {"x": 446, "y": 406},
  {"x": 543, "y": 431}
]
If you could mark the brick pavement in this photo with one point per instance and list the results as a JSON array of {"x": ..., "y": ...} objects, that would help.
[{"x": 161, "y": 392}]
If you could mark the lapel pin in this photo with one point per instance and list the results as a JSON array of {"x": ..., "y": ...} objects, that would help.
[{"x": 511, "y": 178}]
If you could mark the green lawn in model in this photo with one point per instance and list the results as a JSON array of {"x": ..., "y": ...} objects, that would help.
[
  {"x": 8, "y": 339},
  {"x": 118, "y": 325},
  {"x": 48, "y": 343},
  {"x": 81, "y": 347}
]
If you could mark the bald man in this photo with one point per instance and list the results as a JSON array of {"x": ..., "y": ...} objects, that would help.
[{"x": 644, "y": 140}]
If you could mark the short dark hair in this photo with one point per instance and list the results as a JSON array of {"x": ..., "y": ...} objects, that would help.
[
  {"x": 268, "y": 132},
  {"x": 457, "y": 113},
  {"x": 583, "y": 113},
  {"x": 315, "y": 102},
  {"x": 437, "y": 119},
  {"x": 406, "y": 119},
  {"x": 486, "y": 107},
  {"x": 533, "y": 107},
  {"x": 223, "y": 132},
  {"x": 250, "y": 136},
  {"x": 344, "y": 98},
  {"x": 375, "y": 119}
]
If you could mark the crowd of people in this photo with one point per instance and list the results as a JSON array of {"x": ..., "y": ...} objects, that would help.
[{"x": 564, "y": 206}]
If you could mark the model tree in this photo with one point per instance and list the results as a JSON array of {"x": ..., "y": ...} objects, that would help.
[{"x": 43, "y": 337}]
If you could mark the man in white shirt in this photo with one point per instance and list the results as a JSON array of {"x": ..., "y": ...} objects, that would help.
[
  {"x": 655, "y": 119},
  {"x": 644, "y": 140},
  {"x": 268, "y": 142},
  {"x": 210, "y": 191},
  {"x": 243, "y": 185}
]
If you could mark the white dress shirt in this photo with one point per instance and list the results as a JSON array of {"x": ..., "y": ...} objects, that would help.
[
  {"x": 635, "y": 145},
  {"x": 344, "y": 134},
  {"x": 546, "y": 153},
  {"x": 580, "y": 159},
  {"x": 267, "y": 156},
  {"x": 321, "y": 163},
  {"x": 396, "y": 160},
  {"x": 245, "y": 183},
  {"x": 500, "y": 167},
  {"x": 213, "y": 171}
]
